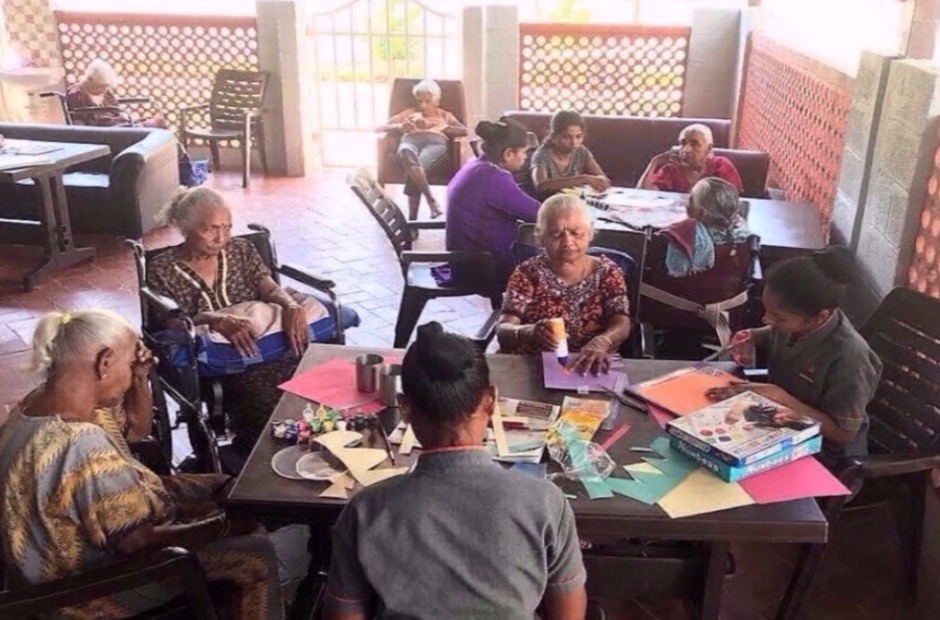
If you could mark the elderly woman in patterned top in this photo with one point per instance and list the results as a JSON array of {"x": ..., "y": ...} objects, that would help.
[
  {"x": 94, "y": 90},
  {"x": 72, "y": 498},
  {"x": 426, "y": 129},
  {"x": 588, "y": 292},
  {"x": 208, "y": 275}
]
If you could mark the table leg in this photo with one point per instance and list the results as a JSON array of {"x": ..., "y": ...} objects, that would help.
[
  {"x": 60, "y": 248},
  {"x": 807, "y": 564},
  {"x": 714, "y": 580},
  {"x": 308, "y": 602}
]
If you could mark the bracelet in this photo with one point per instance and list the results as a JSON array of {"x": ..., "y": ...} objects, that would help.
[{"x": 610, "y": 341}]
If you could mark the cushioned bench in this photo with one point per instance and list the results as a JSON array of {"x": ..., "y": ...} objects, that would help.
[
  {"x": 624, "y": 145},
  {"x": 119, "y": 194}
]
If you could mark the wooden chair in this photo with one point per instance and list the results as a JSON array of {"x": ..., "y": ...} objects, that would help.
[
  {"x": 904, "y": 433},
  {"x": 416, "y": 267},
  {"x": 681, "y": 331},
  {"x": 170, "y": 565},
  {"x": 453, "y": 100},
  {"x": 235, "y": 112}
]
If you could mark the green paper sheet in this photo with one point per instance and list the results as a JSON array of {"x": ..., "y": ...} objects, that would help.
[{"x": 672, "y": 463}]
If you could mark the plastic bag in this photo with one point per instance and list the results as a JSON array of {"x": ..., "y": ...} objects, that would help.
[{"x": 579, "y": 459}]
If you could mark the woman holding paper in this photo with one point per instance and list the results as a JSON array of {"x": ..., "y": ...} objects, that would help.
[
  {"x": 818, "y": 364},
  {"x": 438, "y": 520},
  {"x": 588, "y": 292}
]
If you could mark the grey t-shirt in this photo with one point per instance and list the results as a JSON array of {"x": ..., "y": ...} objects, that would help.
[
  {"x": 833, "y": 370},
  {"x": 458, "y": 537},
  {"x": 577, "y": 161}
]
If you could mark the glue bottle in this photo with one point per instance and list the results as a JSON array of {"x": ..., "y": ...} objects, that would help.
[{"x": 557, "y": 327}]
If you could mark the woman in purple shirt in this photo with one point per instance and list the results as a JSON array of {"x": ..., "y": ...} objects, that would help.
[{"x": 484, "y": 202}]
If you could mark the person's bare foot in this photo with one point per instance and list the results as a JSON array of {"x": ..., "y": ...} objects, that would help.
[{"x": 435, "y": 209}]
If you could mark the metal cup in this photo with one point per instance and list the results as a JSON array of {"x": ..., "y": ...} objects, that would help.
[
  {"x": 390, "y": 384},
  {"x": 367, "y": 372}
]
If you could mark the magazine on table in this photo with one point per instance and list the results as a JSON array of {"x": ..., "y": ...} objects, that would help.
[{"x": 525, "y": 424}]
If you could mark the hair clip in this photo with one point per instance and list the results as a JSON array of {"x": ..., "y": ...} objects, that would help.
[{"x": 65, "y": 318}]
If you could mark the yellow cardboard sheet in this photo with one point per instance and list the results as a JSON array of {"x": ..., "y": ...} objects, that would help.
[
  {"x": 337, "y": 440},
  {"x": 703, "y": 492},
  {"x": 407, "y": 441},
  {"x": 643, "y": 468},
  {"x": 377, "y": 475},
  {"x": 499, "y": 433}
]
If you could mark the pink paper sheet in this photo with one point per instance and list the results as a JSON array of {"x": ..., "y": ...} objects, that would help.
[
  {"x": 659, "y": 414},
  {"x": 333, "y": 384},
  {"x": 805, "y": 477}
]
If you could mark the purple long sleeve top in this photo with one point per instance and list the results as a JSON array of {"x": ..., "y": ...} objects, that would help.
[{"x": 483, "y": 204}]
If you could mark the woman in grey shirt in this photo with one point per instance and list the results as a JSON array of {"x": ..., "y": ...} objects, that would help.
[
  {"x": 563, "y": 161},
  {"x": 459, "y": 536}
]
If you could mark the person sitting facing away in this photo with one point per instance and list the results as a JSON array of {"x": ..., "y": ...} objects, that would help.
[
  {"x": 679, "y": 168},
  {"x": 819, "y": 366},
  {"x": 426, "y": 130},
  {"x": 563, "y": 161},
  {"x": 74, "y": 499},
  {"x": 215, "y": 278},
  {"x": 478, "y": 541},
  {"x": 94, "y": 90},
  {"x": 484, "y": 202},
  {"x": 588, "y": 292}
]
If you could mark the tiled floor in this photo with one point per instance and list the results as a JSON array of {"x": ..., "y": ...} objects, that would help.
[{"x": 319, "y": 223}]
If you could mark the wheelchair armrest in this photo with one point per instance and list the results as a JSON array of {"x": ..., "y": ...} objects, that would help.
[
  {"x": 165, "y": 565},
  {"x": 300, "y": 274},
  {"x": 487, "y": 331},
  {"x": 427, "y": 224},
  {"x": 130, "y": 100},
  {"x": 484, "y": 258},
  {"x": 194, "y": 108},
  {"x": 164, "y": 304}
]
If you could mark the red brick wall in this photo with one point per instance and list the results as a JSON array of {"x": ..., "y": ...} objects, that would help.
[
  {"x": 795, "y": 108},
  {"x": 925, "y": 260}
]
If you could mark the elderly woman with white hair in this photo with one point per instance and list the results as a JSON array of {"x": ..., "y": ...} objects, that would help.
[
  {"x": 425, "y": 129},
  {"x": 94, "y": 90},
  {"x": 589, "y": 293},
  {"x": 72, "y": 498},
  {"x": 681, "y": 167}
]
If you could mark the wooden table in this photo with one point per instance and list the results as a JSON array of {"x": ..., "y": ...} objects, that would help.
[
  {"x": 260, "y": 493},
  {"x": 786, "y": 229},
  {"x": 53, "y": 229}
]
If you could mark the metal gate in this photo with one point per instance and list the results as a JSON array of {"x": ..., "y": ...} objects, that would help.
[{"x": 359, "y": 47}]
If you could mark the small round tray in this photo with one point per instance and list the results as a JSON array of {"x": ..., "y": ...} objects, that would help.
[
  {"x": 312, "y": 466},
  {"x": 284, "y": 463}
]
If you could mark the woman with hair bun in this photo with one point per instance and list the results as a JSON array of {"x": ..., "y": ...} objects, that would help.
[
  {"x": 818, "y": 364},
  {"x": 73, "y": 499},
  {"x": 478, "y": 541},
  {"x": 483, "y": 200}
]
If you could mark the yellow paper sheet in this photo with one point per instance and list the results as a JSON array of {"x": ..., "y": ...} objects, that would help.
[
  {"x": 645, "y": 468},
  {"x": 360, "y": 460},
  {"x": 377, "y": 475},
  {"x": 703, "y": 492},
  {"x": 499, "y": 433},
  {"x": 407, "y": 441},
  {"x": 345, "y": 479},
  {"x": 336, "y": 440},
  {"x": 336, "y": 491}
]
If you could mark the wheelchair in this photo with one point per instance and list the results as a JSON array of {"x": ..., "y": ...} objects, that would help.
[{"x": 200, "y": 399}]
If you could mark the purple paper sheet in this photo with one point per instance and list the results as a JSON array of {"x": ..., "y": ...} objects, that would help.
[{"x": 557, "y": 378}]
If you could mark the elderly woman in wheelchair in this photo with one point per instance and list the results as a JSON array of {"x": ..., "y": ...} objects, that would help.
[
  {"x": 74, "y": 500},
  {"x": 250, "y": 331}
]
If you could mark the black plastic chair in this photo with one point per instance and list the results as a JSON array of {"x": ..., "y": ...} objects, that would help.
[
  {"x": 416, "y": 267},
  {"x": 235, "y": 112},
  {"x": 170, "y": 565},
  {"x": 182, "y": 384},
  {"x": 904, "y": 436}
]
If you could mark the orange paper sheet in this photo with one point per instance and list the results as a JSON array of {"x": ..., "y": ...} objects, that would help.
[{"x": 683, "y": 392}]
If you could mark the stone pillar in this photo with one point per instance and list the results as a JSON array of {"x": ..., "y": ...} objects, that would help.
[
  {"x": 900, "y": 163},
  {"x": 283, "y": 51},
  {"x": 491, "y": 60},
  {"x": 861, "y": 129},
  {"x": 920, "y": 23},
  {"x": 712, "y": 70}
]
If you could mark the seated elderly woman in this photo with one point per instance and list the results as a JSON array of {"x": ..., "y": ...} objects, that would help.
[
  {"x": 588, "y": 292},
  {"x": 217, "y": 280},
  {"x": 426, "y": 129},
  {"x": 701, "y": 262},
  {"x": 484, "y": 201},
  {"x": 485, "y": 571},
  {"x": 679, "y": 168},
  {"x": 94, "y": 90},
  {"x": 563, "y": 161},
  {"x": 74, "y": 499}
]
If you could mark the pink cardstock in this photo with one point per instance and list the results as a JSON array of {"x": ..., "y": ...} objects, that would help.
[
  {"x": 660, "y": 415},
  {"x": 805, "y": 477},
  {"x": 333, "y": 384}
]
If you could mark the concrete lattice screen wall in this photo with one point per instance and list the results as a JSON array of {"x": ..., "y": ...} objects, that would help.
[
  {"x": 795, "y": 108},
  {"x": 32, "y": 32}
]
